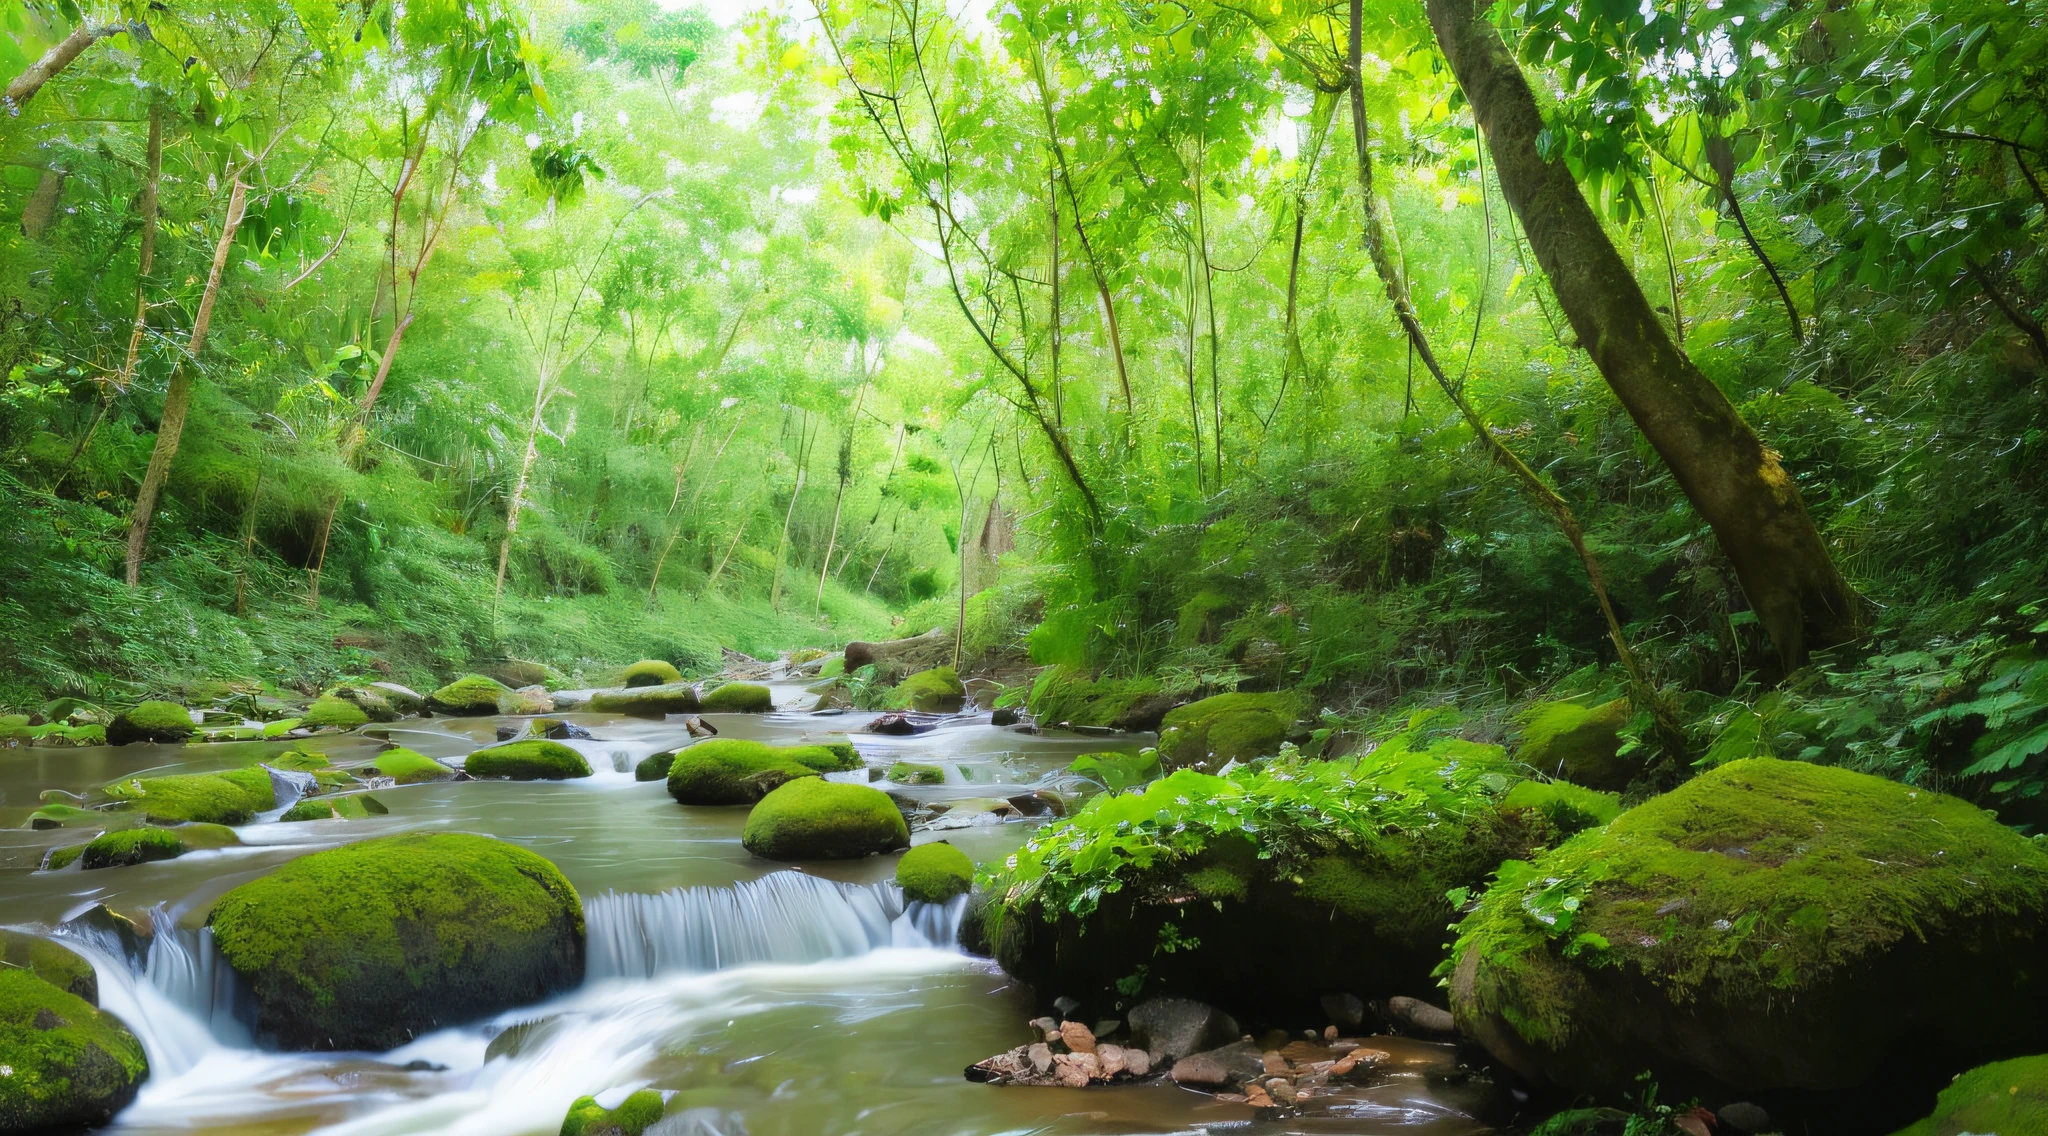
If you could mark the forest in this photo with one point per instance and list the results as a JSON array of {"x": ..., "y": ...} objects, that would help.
[{"x": 1561, "y": 648}]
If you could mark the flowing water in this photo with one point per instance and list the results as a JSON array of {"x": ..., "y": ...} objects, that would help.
[{"x": 766, "y": 998}]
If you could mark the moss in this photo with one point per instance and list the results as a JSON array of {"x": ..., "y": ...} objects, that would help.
[
  {"x": 911, "y": 773},
  {"x": 59, "y": 735},
  {"x": 150, "y": 722},
  {"x": 1227, "y": 727},
  {"x": 368, "y": 945},
  {"x": 1768, "y": 925},
  {"x": 59, "y": 815},
  {"x": 375, "y": 704},
  {"x": 60, "y": 858},
  {"x": 634, "y": 1116},
  {"x": 351, "y": 807},
  {"x": 647, "y": 701},
  {"x": 472, "y": 695},
  {"x": 652, "y": 672},
  {"x": 70, "y": 1065},
  {"x": 934, "y": 873},
  {"x": 936, "y": 691},
  {"x": 1564, "y": 805},
  {"x": 1068, "y": 695},
  {"x": 2009, "y": 1098},
  {"x": 655, "y": 766},
  {"x": 732, "y": 771},
  {"x": 1578, "y": 744},
  {"x": 535, "y": 759},
  {"x": 52, "y": 962},
  {"x": 814, "y": 819},
  {"x": 329, "y": 712},
  {"x": 526, "y": 700},
  {"x": 740, "y": 698},
  {"x": 408, "y": 767},
  {"x": 830, "y": 757},
  {"x": 281, "y": 727},
  {"x": 130, "y": 847},
  {"x": 300, "y": 761},
  {"x": 1200, "y": 619},
  {"x": 233, "y": 797}
]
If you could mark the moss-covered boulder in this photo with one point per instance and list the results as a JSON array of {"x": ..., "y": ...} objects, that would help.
[
  {"x": 1218, "y": 730},
  {"x": 814, "y": 819},
  {"x": 936, "y": 691},
  {"x": 50, "y": 961},
  {"x": 1064, "y": 695},
  {"x": 732, "y": 771},
  {"x": 912, "y": 773},
  {"x": 740, "y": 698},
  {"x": 934, "y": 873},
  {"x": 647, "y": 701},
  {"x": 1580, "y": 744},
  {"x": 470, "y": 696},
  {"x": 150, "y": 722},
  {"x": 651, "y": 672},
  {"x": 1769, "y": 925},
  {"x": 403, "y": 699},
  {"x": 233, "y": 797},
  {"x": 370, "y": 945},
  {"x": 329, "y": 712},
  {"x": 131, "y": 846},
  {"x": 655, "y": 766},
  {"x": 635, "y": 1115},
  {"x": 351, "y": 806},
  {"x": 375, "y": 703},
  {"x": 526, "y": 700},
  {"x": 69, "y": 1065},
  {"x": 60, "y": 815},
  {"x": 408, "y": 767},
  {"x": 534, "y": 759},
  {"x": 2007, "y": 1098},
  {"x": 827, "y": 757}
]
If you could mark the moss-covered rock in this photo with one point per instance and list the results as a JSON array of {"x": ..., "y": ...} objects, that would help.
[
  {"x": 740, "y": 698},
  {"x": 2008, "y": 1098},
  {"x": 634, "y": 1116},
  {"x": 472, "y": 695},
  {"x": 375, "y": 704},
  {"x": 647, "y": 701},
  {"x": 282, "y": 727},
  {"x": 1227, "y": 727},
  {"x": 936, "y": 691},
  {"x": 57, "y": 735},
  {"x": 655, "y": 766},
  {"x": 372, "y": 944},
  {"x": 408, "y": 767},
  {"x": 534, "y": 759},
  {"x": 329, "y": 712},
  {"x": 59, "y": 815},
  {"x": 69, "y": 1065},
  {"x": 526, "y": 700},
  {"x": 911, "y": 773},
  {"x": 301, "y": 761},
  {"x": 403, "y": 699},
  {"x": 150, "y": 722},
  {"x": 651, "y": 672},
  {"x": 1578, "y": 743},
  {"x": 233, "y": 797},
  {"x": 814, "y": 819},
  {"x": 732, "y": 771},
  {"x": 58, "y": 859},
  {"x": 934, "y": 873},
  {"x": 1069, "y": 696},
  {"x": 52, "y": 962},
  {"x": 352, "y": 806},
  {"x": 131, "y": 846},
  {"x": 827, "y": 757},
  {"x": 1769, "y": 925}
]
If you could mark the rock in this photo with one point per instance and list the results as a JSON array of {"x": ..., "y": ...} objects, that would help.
[
  {"x": 699, "y": 728},
  {"x": 910, "y": 773},
  {"x": 936, "y": 691},
  {"x": 1579, "y": 744},
  {"x": 50, "y": 961},
  {"x": 934, "y": 873},
  {"x": 895, "y": 658},
  {"x": 1170, "y": 1028},
  {"x": 408, "y": 767},
  {"x": 354, "y": 806},
  {"x": 898, "y": 725},
  {"x": 1075, "y": 1070},
  {"x": 651, "y": 672},
  {"x": 233, "y": 797},
  {"x": 1345, "y": 1011},
  {"x": 1769, "y": 925},
  {"x": 328, "y": 712},
  {"x": 369, "y": 945},
  {"x": 1041, "y": 1057},
  {"x": 655, "y": 766},
  {"x": 1691, "y": 1125},
  {"x": 526, "y": 700},
  {"x": 633, "y": 1116},
  {"x": 1110, "y": 1059},
  {"x": 558, "y": 730},
  {"x": 535, "y": 759},
  {"x": 1003, "y": 716},
  {"x": 1272, "y": 1064},
  {"x": 1227, "y": 727},
  {"x": 1742, "y": 1116},
  {"x": 402, "y": 699},
  {"x": 113, "y": 931},
  {"x": 516, "y": 672},
  {"x": 735, "y": 771},
  {"x": 813, "y": 819},
  {"x": 1048, "y": 1028},
  {"x": 1224, "y": 1065},
  {"x": 739, "y": 698},
  {"x": 1281, "y": 1090},
  {"x": 647, "y": 701},
  {"x": 58, "y": 815},
  {"x": 165, "y": 722},
  {"x": 1071, "y": 697},
  {"x": 472, "y": 695},
  {"x": 1255, "y": 1096},
  {"x": 68, "y": 1065},
  {"x": 1416, "y": 1016},
  {"x": 130, "y": 847},
  {"x": 971, "y": 812},
  {"x": 2009, "y": 1098},
  {"x": 1078, "y": 1038},
  {"x": 375, "y": 704}
]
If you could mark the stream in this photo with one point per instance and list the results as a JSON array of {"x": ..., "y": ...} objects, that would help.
[{"x": 772, "y": 999}]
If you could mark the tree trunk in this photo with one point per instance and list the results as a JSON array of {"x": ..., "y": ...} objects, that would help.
[
  {"x": 1733, "y": 480},
  {"x": 541, "y": 396},
  {"x": 40, "y": 211},
  {"x": 178, "y": 399},
  {"x": 60, "y": 55}
]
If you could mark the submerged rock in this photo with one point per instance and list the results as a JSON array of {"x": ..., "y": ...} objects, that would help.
[
  {"x": 1579, "y": 744},
  {"x": 1224, "y": 728},
  {"x": 68, "y": 1064},
  {"x": 934, "y": 873},
  {"x": 1769, "y": 925},
  {"x": 470, "y": 696},
  {"x": 535, "y": 759},
  {"x": 814, "y": 819},
  {"x": 369, "y": 945},
  {"x": 651, "y": 672},
  {"x": 739, "y": 698},
  {"x": 647, "y": 701},
  {"x": 150, "y": 722},
  {"x": 936, "y": 691},
  {"x": 632, "y": 1117}
]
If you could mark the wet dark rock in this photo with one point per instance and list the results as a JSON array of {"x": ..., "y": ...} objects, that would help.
[
  {"x": 1412, "y": 1015},
  {"x": 1146, "y": 713},
  {"x": 1003, "y": 716},
  {"x": 1346, "y": 1011},
  {"x": 901, "y": 725},
  {"x": 1743, "y": 1116},
  {"x": 1169, "y": 1028},
  {"x": 1201, "y": 1071},
  {"x": 113, "y": 930}
]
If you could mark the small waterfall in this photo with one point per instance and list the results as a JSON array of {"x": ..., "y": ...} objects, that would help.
[
  {"x": 783, "y": 917},
  {"x": 287, "y": 788},
  {"x": 180, "y": 998},
  {"x": 189, "y": 971}
]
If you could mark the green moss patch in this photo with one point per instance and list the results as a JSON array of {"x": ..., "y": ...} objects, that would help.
[
  {"x": 733, "y": 771},
  {"x": 936, "y": 691},
  {"x": 2009, "y": 1098},
  {"x": 634, "y": 1116},
  {"x": 1070, "y": 695},
  {"x": 651, "y": 672},
  {"x": 281, "y": 727},
  {"x": 1227, "y": 727},
  {"x": 301, "y": 761},
  {"x": 62, "y": 815},
  {"x": 372, "y": 944},
  {"x": 150, "y": 722},
  {"x": 130, "y": 847},
  {"x": 911, "y": 773},
  {"x": 534, "y": 759},
  {"x": 647, "y": 701},
  {"x": 814, "y": 819},
  {"x": 655, "y": 766},
  {"x": 934, "y": 873},
  {"x": 354, "y": 806},
  {"x": 375, "y": 704},
  {"x": 1578, "y": 744},
  {"x": 52, "y": 962},
  {"x": 740, "y": 698},
  {"x": 69, "y": 1065},
  {"x": 408, "y": 767},
  {"x": 328, "y": 712},
  {"x": 233, "y": 797},
  {"x": 472, "y": 695}
]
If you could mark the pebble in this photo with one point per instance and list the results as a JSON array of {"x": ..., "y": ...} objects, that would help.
[
  {"x": 1137, "y": 1062},
  {"x": 1280, "y": 1090},
  {"x": 1257, "y": 1098},
  {"x": 1040, "y": 1056},
  {"x": 1200, "y": 1070},
  {"x": 1110, "y": 1059},
  {"x": 1049, "y": 1028},
  {"x": 1275, "y": 1064}
]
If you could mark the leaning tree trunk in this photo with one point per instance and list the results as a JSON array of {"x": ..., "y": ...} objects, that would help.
[
  {"x": 178, "y": 399},
  {"x": 24, "y": 86},
  {"x": 1730, "y": 476}
]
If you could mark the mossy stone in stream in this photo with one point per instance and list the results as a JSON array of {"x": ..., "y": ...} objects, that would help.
[
  {"x": 408, "y": 767},
  {"x": 60, "y": 815},
  {"x": 634, "y": 1116},
  {"x": 829, "y": 757},
  {"x": 1579, "y": 744},
  {"x": 353, "y": 806},
  {"x": 655, "y": 766},
  {"x": 534, "y": 759},
  {"x": 470, "y": 696},
  {"x": 335, "y": 713},
  {"x": 1224, "y": 728},
  {"x": 50, "y": 961},
  {"x": 300, "y": 761},
  {"x": 740, "y": 698},
  {"x": 150, "y": 722},
  {"x": 651, "y": 672},
  {"x": 131, "y": 846},
  {"x": 732, "y": 771},
  {"x": 1069, "y": 695},
  {"x": 936, "y": 691},
  {"x": 647, "y": 701},
  {"x": 369, "y": 945},
  {"x": 69, "y": 1065},
  {"x": 911, "y": 773},
  {"x": 815, "y": 819},
  {"x": 2007, "y": 1098},
  {"x": 233, "y": 797},
  {"x": 375, "y": 704},
  {"x": 1768, "y": 926},
  {"x": 934, "y": 873}
]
